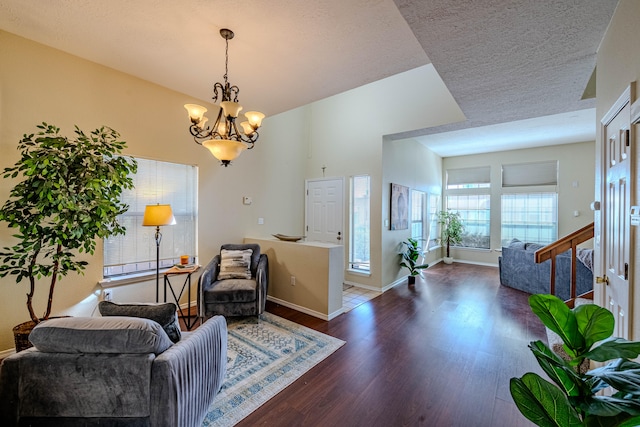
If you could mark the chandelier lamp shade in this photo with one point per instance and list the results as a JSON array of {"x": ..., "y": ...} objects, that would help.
[
  {"x": 157, "y": 216},
  {"x": 224, "y": 139}
]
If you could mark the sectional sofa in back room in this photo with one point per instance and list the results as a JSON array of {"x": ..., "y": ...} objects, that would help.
[{"x": 519, "y": 270}]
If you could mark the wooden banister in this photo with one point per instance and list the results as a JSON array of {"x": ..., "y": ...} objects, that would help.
[{"x": 550, "y": 251}]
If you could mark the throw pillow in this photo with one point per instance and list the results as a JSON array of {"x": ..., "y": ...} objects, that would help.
[
  {"x": 235, "y": 264},
  {"x": 163, "y": 313},
  {"x": 100, "y": 335}
]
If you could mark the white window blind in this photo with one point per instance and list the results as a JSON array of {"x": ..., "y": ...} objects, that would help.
[
  {"x": 477, "y": 177},
  {"x": 530, "y": 174},
  {"x": 530, "y": 217},
  {"x": 418, "y": 201},
  {"x": 155, "y": 182}
]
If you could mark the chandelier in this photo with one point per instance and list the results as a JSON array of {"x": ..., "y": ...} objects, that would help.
[{"x": 223, "y": 139}]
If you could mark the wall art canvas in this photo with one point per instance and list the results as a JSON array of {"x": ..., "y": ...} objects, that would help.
[{"x": 399, "y": 207}]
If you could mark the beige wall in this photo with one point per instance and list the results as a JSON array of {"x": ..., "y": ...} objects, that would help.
[
  {"x": 411, "y": 164},
  {"x": 576, "y": 164},
  {"x": 345, "y": 133},
  {"x": 619, "y": 65}
]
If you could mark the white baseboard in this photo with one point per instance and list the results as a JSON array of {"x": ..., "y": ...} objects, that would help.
[
  {"x": 394, "y": 284},
  {"x": 188, "y": 305},
  {"x": 306, "y": 310},
  {"x": 485, "y": 264},
  {"x": 360, "y": 285}
]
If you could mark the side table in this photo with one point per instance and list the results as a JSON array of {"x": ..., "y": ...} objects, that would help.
[{"x": 179, "y": 271}]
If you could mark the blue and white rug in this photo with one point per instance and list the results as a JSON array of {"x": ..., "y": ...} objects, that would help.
[{"x": 263, "y": 358}]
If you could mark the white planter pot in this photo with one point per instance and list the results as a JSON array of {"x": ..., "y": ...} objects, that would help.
[{"x": 448, "y": 260}]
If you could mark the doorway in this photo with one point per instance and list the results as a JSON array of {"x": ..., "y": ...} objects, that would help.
[{"x": 324, "y": 210}]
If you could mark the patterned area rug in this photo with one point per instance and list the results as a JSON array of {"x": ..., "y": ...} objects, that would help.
[{"x": 263, "y": 358}]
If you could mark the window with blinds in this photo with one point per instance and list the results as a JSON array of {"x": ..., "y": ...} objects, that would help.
[
  {"x": 529, "y": 217},
  {"x": 434, "y": 231},
  {"x": 418, "y": 200},
  {"x": 530, "y": 174},
  {"x": 155, "y": 182},
  {"x": 360, "y": 220},
  {"x": 477, "y": 177}
]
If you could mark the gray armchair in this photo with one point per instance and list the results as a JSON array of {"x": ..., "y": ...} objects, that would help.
[{"x": 236, "y": 296}]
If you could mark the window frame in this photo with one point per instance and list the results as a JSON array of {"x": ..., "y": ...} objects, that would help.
[
  {"x": 360, "y": 266},
  {"x": 160, "y": 182}
]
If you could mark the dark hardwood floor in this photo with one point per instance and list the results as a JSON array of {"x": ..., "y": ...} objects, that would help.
[{"x": 439, "y": 353}]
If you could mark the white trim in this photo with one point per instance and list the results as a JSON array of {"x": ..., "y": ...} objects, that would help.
[
  {"x": 305, "y": 310},
  {"x": 360, "y": 285},
  {"x": 486, "y": 264},
  {"x": 363, "y": 273},
  {"x": 396, "y": 283}
]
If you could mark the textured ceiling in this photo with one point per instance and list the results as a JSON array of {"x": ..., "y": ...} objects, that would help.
[
  {"x": 503, "y": 60},
  {"x": 506, "y": 60}
]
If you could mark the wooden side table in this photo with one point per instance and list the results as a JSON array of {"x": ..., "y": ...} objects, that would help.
[{"x": 179, "y": 271}]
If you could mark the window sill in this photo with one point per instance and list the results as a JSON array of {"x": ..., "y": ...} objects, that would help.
[
  {"x": 128, "y": 279},
  {"x": 359, "y": 272},
  {"x": 458, "y": 248}
]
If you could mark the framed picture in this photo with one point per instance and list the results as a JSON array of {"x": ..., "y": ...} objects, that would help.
[{"x": 399, "y": 207}]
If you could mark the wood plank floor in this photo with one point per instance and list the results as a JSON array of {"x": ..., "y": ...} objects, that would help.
[{"x": 439, "y": 353}]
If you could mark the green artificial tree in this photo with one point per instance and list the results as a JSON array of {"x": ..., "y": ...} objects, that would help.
[
  {"x": 67, "y": 197},
  {"x": 451, "y": 229}
]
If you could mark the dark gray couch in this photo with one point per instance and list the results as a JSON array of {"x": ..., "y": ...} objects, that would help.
[
  {"x": 113, "y": 371},
  {"x": 518, "y": 270}
]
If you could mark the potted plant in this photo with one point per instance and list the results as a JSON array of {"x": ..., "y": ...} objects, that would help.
[
  {"x": 68, "y": 196},
  {"x": 451, "y": 229},
  {"x": 573, "y": 399},
  {"x": 410, "y": 257}
]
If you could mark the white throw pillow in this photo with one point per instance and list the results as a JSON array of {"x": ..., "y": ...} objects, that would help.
[{"x": 235, "y": 264}]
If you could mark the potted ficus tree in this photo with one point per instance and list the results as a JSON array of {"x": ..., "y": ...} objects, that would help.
[
  {"x": 68, "y": 195},
  {"x": 410, "y": 255},
  {"x": 451, "y": 229},
  {"x": 573, "y": 398}
]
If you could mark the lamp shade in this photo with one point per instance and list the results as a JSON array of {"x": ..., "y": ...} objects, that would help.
[
  {"x": 156, "y": 215},
  {"x": 195, "y": 112},
  {"x": 224, "y": 149}
]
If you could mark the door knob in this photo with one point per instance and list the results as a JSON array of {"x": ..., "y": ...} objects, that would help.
[{"x": 603, "y": 279}]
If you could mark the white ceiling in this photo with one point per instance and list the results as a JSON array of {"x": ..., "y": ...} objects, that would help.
[{"x": 502, "y": 60}]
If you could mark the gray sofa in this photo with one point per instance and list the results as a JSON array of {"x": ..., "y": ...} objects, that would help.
[
  {"x": 519, "y": 270},
  {"x": 113, "y": 371}
]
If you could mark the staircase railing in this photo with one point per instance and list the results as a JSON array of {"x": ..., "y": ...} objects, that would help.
[{"x": 550, "y": 251}]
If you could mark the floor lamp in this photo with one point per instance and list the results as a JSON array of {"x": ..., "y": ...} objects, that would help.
[{"x": 155, "y": 216}]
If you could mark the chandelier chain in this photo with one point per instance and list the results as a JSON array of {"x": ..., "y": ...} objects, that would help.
[{"x": 226, "y": 61}]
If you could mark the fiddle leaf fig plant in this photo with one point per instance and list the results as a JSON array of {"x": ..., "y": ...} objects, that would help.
[
  {"x": 451, "y": 229},
  {"x": 410, "y": 257},
  {"x": 572, "y": 398},
  {"x": 68, "y": 195}
]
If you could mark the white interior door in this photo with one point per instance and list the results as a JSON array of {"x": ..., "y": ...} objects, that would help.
[
  {"x": 615, "y": 217},
  {"x": 325, "y": 210}
]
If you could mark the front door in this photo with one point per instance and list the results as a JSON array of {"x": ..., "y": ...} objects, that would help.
[
  {"x": 615, "y": 215},
  {"x": 325, "y": 210}
]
